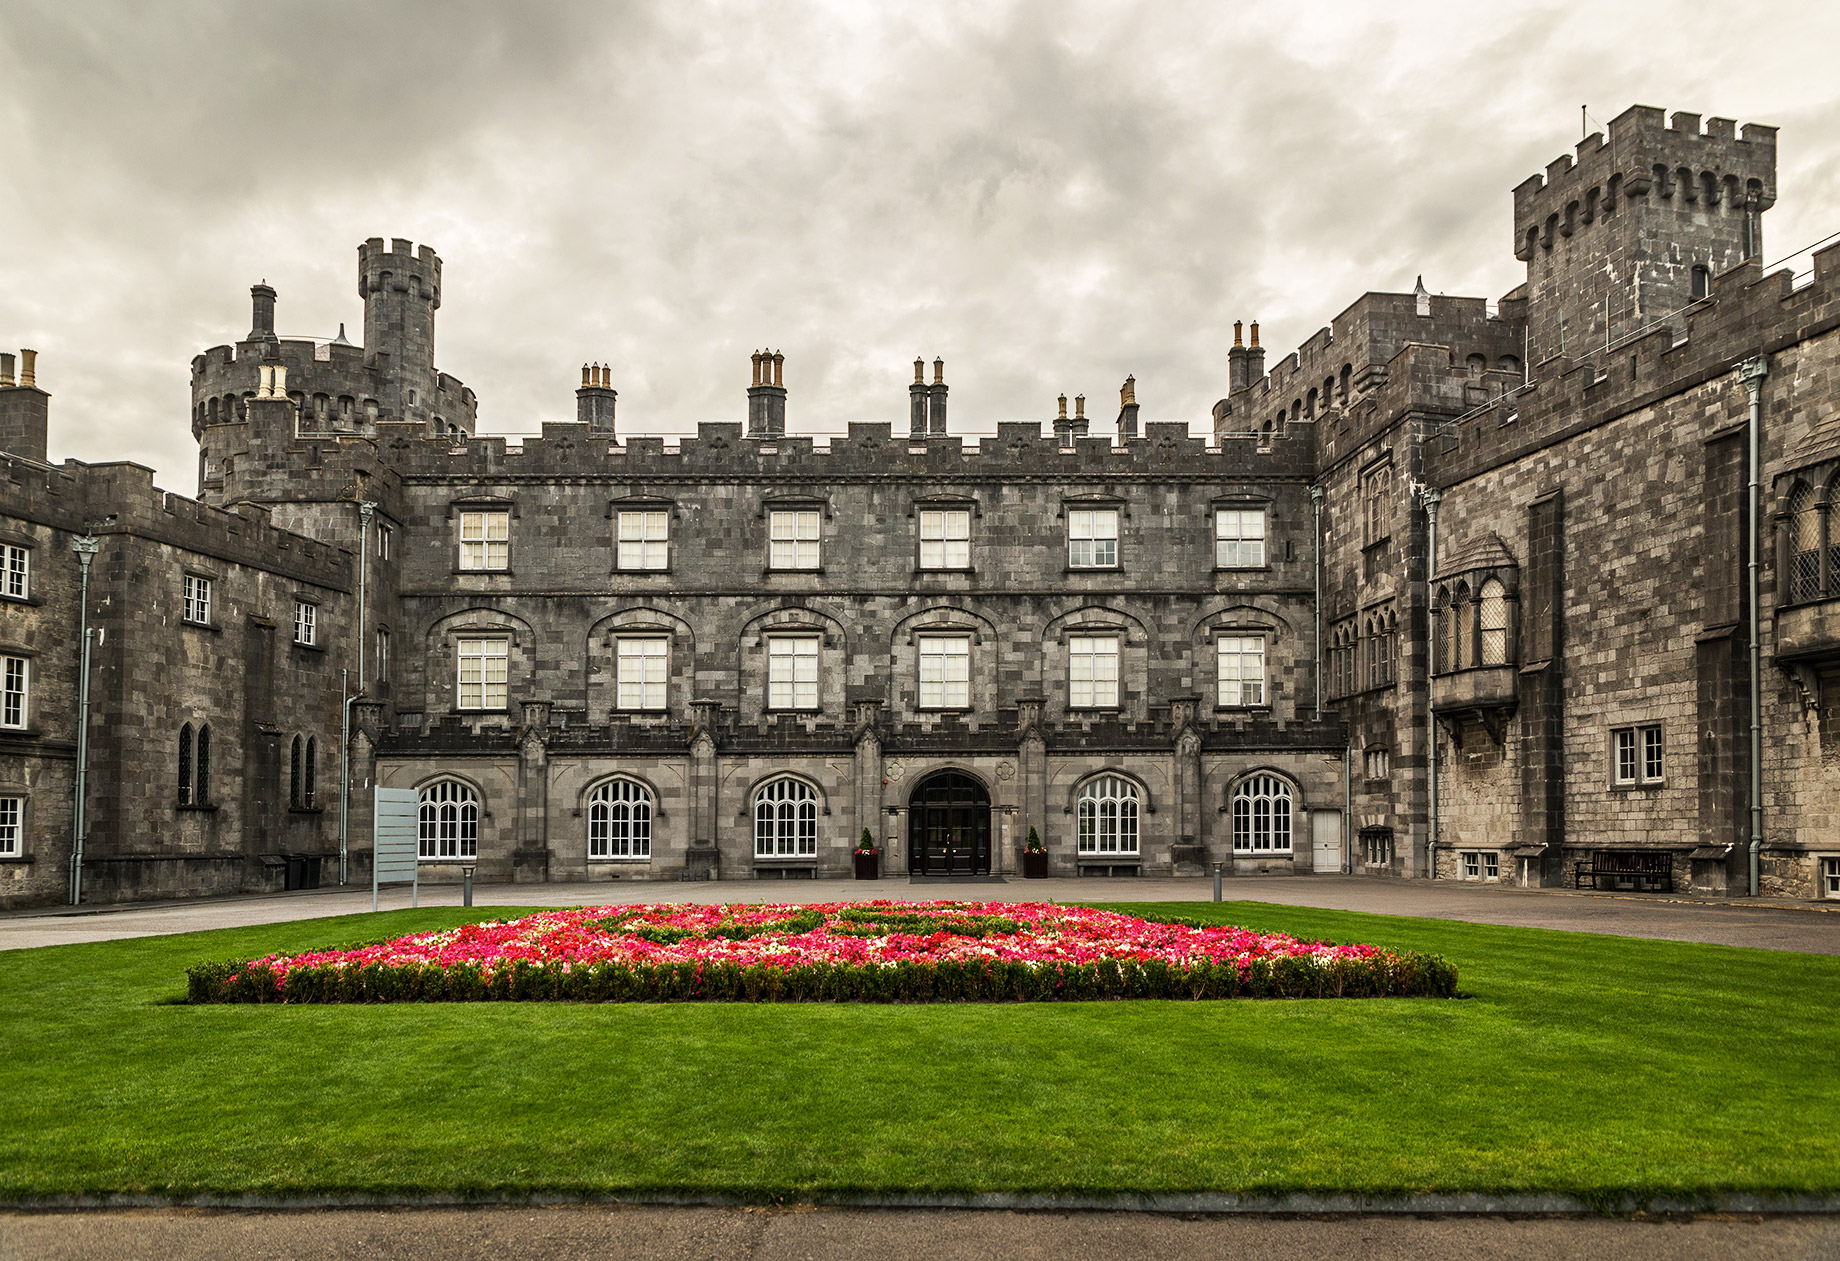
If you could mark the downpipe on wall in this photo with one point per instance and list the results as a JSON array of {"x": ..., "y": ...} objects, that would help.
[
  {"x": 85, "y": 546},
  {"x": 1752, "y": 372},
  {"x": 1316, "y": 505},
  {"x": 1432, "y": 497},
  {"x": 347, "y": 696}
]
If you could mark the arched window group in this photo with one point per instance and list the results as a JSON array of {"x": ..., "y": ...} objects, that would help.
[
  {"x": 448, "y": 824},
  {"x": 1473, "y": 628},
  {"x": 620, "y": 820},
  {"x": 195, "y": 765},
  {"x": 303, "y": 773},
  {"x": 1811, "y": 553},
  {"x": 786, "y": 819},
  {"x": 1262, "y": 815},
  {"x": 1108, "y": 816},
  {"x": 1362, "y": 652}
]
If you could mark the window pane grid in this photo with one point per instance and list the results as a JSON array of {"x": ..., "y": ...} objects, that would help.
[
  {"x": 945, "y": 539},
  {"x": 1262, "y": 815},
  {"x": 18, "y": 560},
  {"x": 644, "y": 540},
  {"x": 945, "y": 672},
  {"x": 786, "y": 820},
  {"x": 485, "y": 540},
  {"x": 792, "y": 673},
  {"x": 484, "y": 673},
  {"x": 12, "y": 829},
  {"x": 642, "y": 668},
  {"x": 1108, "y": 816},
  {"x": 1242, "y": 670},
  {"x": 1092, "y": 672},
  {"x": 197, "y": 599},
  {"x": 793, "y": 539},
  {"x": 1092, "y": 538},
  {"x": 13, "y": 699},
  {"x": 306, "y": 617},
  {"x": 448, "y": 825},
  {"x": 620, "y": 821},
  {"x": 1239, "y": 538}
]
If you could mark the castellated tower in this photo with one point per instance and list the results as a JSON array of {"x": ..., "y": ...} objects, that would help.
[
  {"x": 1635, "y": 229},
  {"x": 401, "y": 288}
]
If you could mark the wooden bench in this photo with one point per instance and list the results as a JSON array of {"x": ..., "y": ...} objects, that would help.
[{"x": 1644, "y": 871}]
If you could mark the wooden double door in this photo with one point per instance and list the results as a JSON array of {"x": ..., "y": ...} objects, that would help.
[{"x": 948, "y": 827}]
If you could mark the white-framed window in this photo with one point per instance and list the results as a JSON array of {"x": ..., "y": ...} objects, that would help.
[
  {"x": 1379, "y": 762},
  {"x": 785, "y": 819},
  {"x": 1241, "y": 669},
  {"x": 1092, "y": 538},
  {"x": 641, "y": 662},
  {"x": 1092, "y": 671},
  {"x": 792, "y": 538},
  {"x": 1262, "y": 815},
  {"x": 945, "y": 672},
  {"x": 644, "y": 539},
  {"x": 383, "y": 655},
  {"x": 792, "y": 672},
  {"x": 1636, "y": 755},
  {"x": 12, "y": 826},
  {"x": 1239, "y": 538},
  {"x": 1472, "y": 865},
  {"x": 306, "y": 622},
  {"x": 15, "y": 571},
  {"x": 620, "y": 820},
  {"x": 384, "y": 536},
  {"x": 485, "y": 671},
  {"x": 945, "y": 538},
  {"x": 13, "y": 690},
  {"x": 1377, "y": 847},
  {"x": 448, "y": 822},
  {"x": 485, "y": 540},
  {"x": 1491, "y": 866},
  {"x": 1830, "y": 878},
  {"x": 1108, "y": 816},
  {"x": 197, "y": 599},
  {"x": 1481, "y": 864}
]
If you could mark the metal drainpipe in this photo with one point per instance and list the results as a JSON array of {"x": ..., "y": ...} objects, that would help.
[
  {"x": 1316, "y": 503},
  {"x": 1751, "y": 373},
  {"x": 1348, "y": 809},
  {"x": 365, "y": 510},
  {"x": 1432, "y": 498},
  {"x": 86, "y": 547}
]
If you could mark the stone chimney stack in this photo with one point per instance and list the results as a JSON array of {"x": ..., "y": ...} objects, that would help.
[
  {"x": 917, "y": 402},
  {"x": 262, "y": 321},
  {"x": 595, "y": 400},
  {"x": 1236, "y": 361},
  {"x": 1063, "y": 428},
  {"x": 767, "y": 396},
  {"x": 25, "y": 410},
  {"x": 1079, "y": 425},
  {"x": 1127, "y": 410},
  {"x": 1255, "y": 357},
  {"x": 936, "y": 401}
]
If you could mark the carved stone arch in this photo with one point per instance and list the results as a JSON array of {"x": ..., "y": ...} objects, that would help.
[
  {"x": 754, "y": 661},
  {"x": 1144, "y": 799},
  {"x": 593, "y": 782},
  {"x": 600, "y": 648},
  {"x": 767, "y": 777}
]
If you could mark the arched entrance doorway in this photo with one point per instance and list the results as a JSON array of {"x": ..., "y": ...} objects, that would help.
[{"x": 948, "y": 826}]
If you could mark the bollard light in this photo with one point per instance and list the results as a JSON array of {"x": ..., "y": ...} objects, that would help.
[
  {"x": 467, "y": 893},
  {"x": 1217, "y": 867}
]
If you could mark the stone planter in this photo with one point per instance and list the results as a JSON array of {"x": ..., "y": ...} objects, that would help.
[
  {"x": 1034, "y": 866},
  {"x": 868, "y": 866}
]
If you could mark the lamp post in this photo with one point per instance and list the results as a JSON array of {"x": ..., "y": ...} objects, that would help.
[{"x": 85, "y": 546}]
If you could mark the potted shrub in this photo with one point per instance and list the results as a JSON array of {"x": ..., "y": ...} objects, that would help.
[
  {"x": 868, "y": 858},
  {"x": 1034, "y": 857}
]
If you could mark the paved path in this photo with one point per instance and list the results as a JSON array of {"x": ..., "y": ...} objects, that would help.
[
  {"x": 664, "y": 1234},
  {"x": 1769, "y": 923}
]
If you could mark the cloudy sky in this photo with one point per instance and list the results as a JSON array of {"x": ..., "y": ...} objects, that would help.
[{"x": 1048, "y": 195}]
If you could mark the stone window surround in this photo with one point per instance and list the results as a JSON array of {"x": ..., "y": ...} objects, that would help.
[
  {"x": 457, "y": 509},
  {"x": 771, "y": 504},
  {"x": 1486, "y": 865},
  {"x": 1247, "y": 629},
  {"x": 1472, "y": 580},
  {"x": 644, "y": 503},
  {"x": 795, "y": 633},
  {"x": 480, "y": 815},
  {"x": 213, "y": 583},
  {"x": 636, "y": 634},
  {"x": 940, "y": 504},
  {"x": 584, "y": 807},
  {"x": 1085, "y": 791},
  {"x": 1376, "y": 479},
  {"x": 1241, "y": 502},
  {"x": 1642, "y": 781},
  {"x": 1145, "y": 802},
  {"x": 1294, "y": 795},
  {"x": 457, "y": 635},
  {"x": 20, "y": 546},
  {"x": 1822, "y": 479},
  {"x": 27, "y": 707},
  {"x": 20, "y": 852},
  {"x": 1095, "y": 502},
  {"x": 312, "y": 639},
  {"x": 1822, "y": 871},
  {"x": 1120, "y": 635}
]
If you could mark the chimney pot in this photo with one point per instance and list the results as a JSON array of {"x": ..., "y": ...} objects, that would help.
[
  {"x": 1062, "y": 415},
  {"x": 919, "y": 372},
  {"x": 939, "y": 371},
  {"x": 1079, "y": 405},
  {"x": 584, "y": 376},
  {"x": 1237, "y": 326},
  {"x": 28, "y": 369},
  {"x": 1255, "y": 332},
  {"x": 779, "y": 362},
  {"x": 6, "y": 372}
]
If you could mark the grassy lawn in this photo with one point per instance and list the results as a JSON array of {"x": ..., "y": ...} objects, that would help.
[{"x": 1590, "y": 1065}]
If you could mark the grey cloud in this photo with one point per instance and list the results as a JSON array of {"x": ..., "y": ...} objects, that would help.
[{"x": 1048, "y": 195}]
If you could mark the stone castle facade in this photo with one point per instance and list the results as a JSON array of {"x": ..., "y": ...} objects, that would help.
[{"x": 1458, "y": 589}]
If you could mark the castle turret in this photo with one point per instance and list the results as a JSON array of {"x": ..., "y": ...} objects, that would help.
[
  {"x": 1635, "y": 228},
  {"x": 401, "y": 288},
  {"x": 594, "y": 401},
  {"x": 767, "y": 396}
]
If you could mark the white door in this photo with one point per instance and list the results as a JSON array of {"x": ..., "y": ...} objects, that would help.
[{"x": 1326, "y": 841}]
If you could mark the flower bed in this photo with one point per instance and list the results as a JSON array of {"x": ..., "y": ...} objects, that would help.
[{"x": 830, "y": 952}]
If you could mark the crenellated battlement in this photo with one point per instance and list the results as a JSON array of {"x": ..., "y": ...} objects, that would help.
[
  {"x": 1714, "y": 169},
  {"x": 120, "y": 498},
  {"x": 399, "y": 267},
  {"x": 1019, "y": 450},
  {"x": 1570, "y": 395}
]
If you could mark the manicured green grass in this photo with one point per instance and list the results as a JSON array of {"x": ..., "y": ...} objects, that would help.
[{"x": 1596, "y": 1066}]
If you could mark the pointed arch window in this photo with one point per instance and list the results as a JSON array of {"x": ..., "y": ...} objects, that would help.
[
  {"x": 1804, "y": 544},
  {"x": 620, "y": 820},
  {"x": 185, "y": 765},
  {"x": 1262, "y": 816},
  {"x": 294, "y": 781},
  {"x": 448, "y": 823},
  {"x": 1492, "y": 623},
  {"x": 1108, "y": 816},
  {"x": 785, "y": 819}
]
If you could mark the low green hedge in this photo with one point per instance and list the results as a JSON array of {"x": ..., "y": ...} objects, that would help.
[{"x": 1384, "y": 976}]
